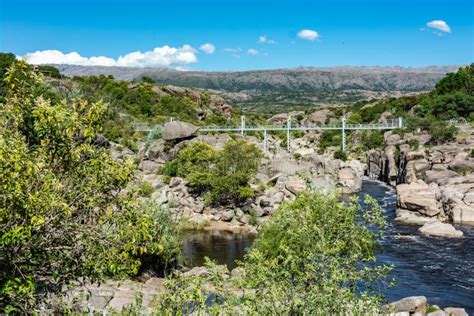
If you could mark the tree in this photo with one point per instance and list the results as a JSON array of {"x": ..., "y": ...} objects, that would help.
[
  {"x": 222, "y": 175},
  {"x": 63, "y": 213},
  {"x": 442, "y": 132},
  {"x": 316, "y": 256}
]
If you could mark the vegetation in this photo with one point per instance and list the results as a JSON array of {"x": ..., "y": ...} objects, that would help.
[
  {"x": 222, "y": 175},
  {"x": 315, "y": 256},
  {"x": 63, "y": 213},
  {"x": 339, "y": 154}
]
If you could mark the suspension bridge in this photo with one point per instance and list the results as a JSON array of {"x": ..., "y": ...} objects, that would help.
[{"x": 343, "y": 126}]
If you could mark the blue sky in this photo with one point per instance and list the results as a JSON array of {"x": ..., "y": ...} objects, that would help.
[{"x": 338, "y": 32}]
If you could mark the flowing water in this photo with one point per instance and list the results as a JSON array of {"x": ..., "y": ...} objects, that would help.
[{"x": 439, "y": 268}]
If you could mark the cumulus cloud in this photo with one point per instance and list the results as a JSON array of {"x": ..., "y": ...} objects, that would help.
[
  {"x": 264, "y": 39},
  {"x": 439, "y": 25},
  {"x": 164, "y": 56},
  {"x": 252, "y": 52},
  {"x": 309, "y": 35},
  {"x": 208, "y": 48}
]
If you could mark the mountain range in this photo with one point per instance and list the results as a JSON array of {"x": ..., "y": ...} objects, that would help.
[{"x": 284, "y": 89}]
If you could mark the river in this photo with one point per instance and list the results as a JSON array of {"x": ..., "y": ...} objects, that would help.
[{"x": 440, "y": 269}]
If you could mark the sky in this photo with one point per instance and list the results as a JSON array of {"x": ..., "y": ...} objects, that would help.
[{"x": 239, "y": 35}]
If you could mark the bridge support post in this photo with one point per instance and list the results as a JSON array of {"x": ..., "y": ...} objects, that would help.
[
  {"x": 288, "y": 131},
  {"x": 265, "y": 140},
  {"x": 400, "y": 122},
  {"x": 242, "y": 125},
  {"x": 343, "y": 133}
]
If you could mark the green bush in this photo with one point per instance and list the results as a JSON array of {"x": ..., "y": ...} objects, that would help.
[
  {"x": 442, "y": 131},
  {"x": 145, "y": 189},
  {"x": 316, "y": 256},
  {"x": 222, "y": 175},
  {"x": 339, "y": 154},
  {"x": 64, "y": 215},
  {"x": 472, "y": 153},
  {"x": 372, "y": 139},
  {"x": 414, "y": 144}
]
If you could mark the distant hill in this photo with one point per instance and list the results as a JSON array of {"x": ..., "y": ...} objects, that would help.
[{"x": 281, "y": 90}]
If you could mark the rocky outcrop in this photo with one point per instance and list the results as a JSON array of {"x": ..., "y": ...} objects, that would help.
[
  {"x": 435, "y": 228},
  {"x": 412, "y": 304},
  {"x": 178, "y": 130},
  {"x": 436, "y": 181},
  {"x": 419, "y": 197}
]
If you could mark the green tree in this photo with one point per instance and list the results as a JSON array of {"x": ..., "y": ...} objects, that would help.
[
  {"x": 316, "y": 256},
  {"x": 63, "y": 213},
  {"x": 442, "y": 132},
  {"x": 222, "y": 175}
]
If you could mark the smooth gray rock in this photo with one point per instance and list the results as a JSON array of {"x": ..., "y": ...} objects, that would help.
[
  {"x": 436, "y": 228},
  {"x": 178, "y": 130},
  {"x": 412, "y": 304}
]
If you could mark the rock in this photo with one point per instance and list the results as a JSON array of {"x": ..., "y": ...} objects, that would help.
[
  {"x": 436, "y": 228},
  {"x": 318, "y": 117},
  {"x": 437, "y": 313},
  {"x": 461, "y": 213},
  {"x": 228, "y": 215},
  {"x": 257, "y": 211},
  {"x": 261, "y": 178},
  {"x": 196, "y": 271},
  {"x": 155, "y": 150},
  {"x": 412, "y": 304},
  {"x": 295, "y": 185},
  {"x": 323, "y": 184},
  {"x": 454, "y": 311},
  {"x": 178, "y": 130},
  {"x": 420, "y": 197},
  {"x": 349, "y": 181},
  {"x": 174, "y": 182},
  {"x": 420, "y": 165},
  {"x": 439, "y": 176},
  {"x": 462, "y": 163},
  {"x": 409, "y": 217},
  {"x": 288, "y": 166},
  {"x": 416, "y": 154},
  {"x": 149, "y": 166},
  {"x": 391, "y": 139},
  {"x": 100, "y": 140}
]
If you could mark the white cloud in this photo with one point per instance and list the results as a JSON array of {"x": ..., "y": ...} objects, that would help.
[
  {"x": 208, "y": 48},
  {"x": 232, "y": 50},
  {"x": 252, "y": 52},
  {"x": 164, "y": 56},
  {"x": 309, "y": 35},
  {"x": 264, "y": 39},
  {"x": 439, "y": 25}
]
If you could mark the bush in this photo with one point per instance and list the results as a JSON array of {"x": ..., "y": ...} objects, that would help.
[
  {"x": 316, "y": 256},
  {"x": 222, "y": 175},
  {"x": 372, "y": 139},
  {"x": 414, "y": 144},
  {"x": 145, "y": 189},
  {"x": 339, "y": 154},
  {"x": 442, "y": 131},
  {"x": 63, "y": 214}
]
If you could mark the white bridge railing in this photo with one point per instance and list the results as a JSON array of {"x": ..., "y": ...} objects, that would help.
[
  {"x": 289, "y": 127},
  {"x": 343, "y": 126}
]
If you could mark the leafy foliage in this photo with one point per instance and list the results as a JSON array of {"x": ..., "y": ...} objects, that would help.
[
  {"x": 63, "y": 215},
  {"x": 316, "y": 256},
  {"x": 222, "y": 175}
]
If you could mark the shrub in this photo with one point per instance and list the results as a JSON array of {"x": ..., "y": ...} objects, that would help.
[
  {"x": 145, "y": 189},
  {"x": 472, "y": 153},
  {"x": 316, "y": 256},
  {"x": 339, "y": 154},
  {"x": 223, "y": 175},
  {"x": 63, "y": 214},
  {"x": 442, "y": 132},
  {"x": 414, "y": 144},
  {"x": 372, "y": 139}
]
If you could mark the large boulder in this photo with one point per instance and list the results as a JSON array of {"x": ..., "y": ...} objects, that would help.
[
  {"x": 439, "y": 176},
  {"x": 178, "y": 130},
  {"x": 295, "y": 185},
  {"x": 419, "y": 196},
  {"x": 349, "y": 181},
  {"x": 461, "y": 213},
  {"x": 438, "y": 229},
  {"x": 412, "y": 304}
]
